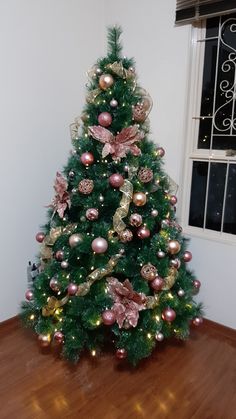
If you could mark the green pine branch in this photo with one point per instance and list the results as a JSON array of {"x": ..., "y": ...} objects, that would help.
[{"x": 114, "y": 44}]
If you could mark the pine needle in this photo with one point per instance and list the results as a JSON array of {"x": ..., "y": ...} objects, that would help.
[{"x": 114, "y": 44}]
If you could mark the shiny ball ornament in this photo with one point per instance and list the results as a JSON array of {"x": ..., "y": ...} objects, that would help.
[
  {"x": 58, "y": 337},
  {"x": 116, "y": 180},
  {"x": 160, "y": 151},
  {"x": 64, "y": 264},
  {"x": 105, "y": 81},
  {"x": 181, "y": 293},
  {"x": 87, "y": 158},
  {"x": 173, "y": 247},
  {"x": 168, "y": 314},
  {"x": 99, "y": 245},
  {"x": 108, "y": 317},
  {"x": 125, "y": 236},
  {"x": 74, "y": 191},
  {"x": 187, "y": 256},
  {"x": 197, "y": 321},
  {"x": 72, "y": 288},
  {"x": 73, "y": 152},
  {"x": 175, "y": 263},
  {"x": 173, "y": 200},
  {"x": 54, "y": 284},
  {"x": 101, "y": 198},
  {"x": 135, "y": 220},
  {"x": 82, "y": 218},
  {"x": 59, "y": 255},
  {"x": 98, "y": 71},
  {"x": 126, "y": 167},
  {"x": 157, "y": 283},
  {"x": 44, "y": 340},
  {"x": 139, "y": 199},
  {"x": 149, "y": 272},
  {"x": 143, "y": 232},
  {"x": 145, "y": 175},
  {"x": 113, "y": 103},
  {"x": 146, "y": 103},
  {"x": 71, "y": 174},
  {"x": 105, "y": 119},
  {"x": 121, "y": 353},
  {"x": 92, "y": 214},
  {"x": 154, "y": 213},
  {"x": 29, "y": 295},
  {"x": 40, "y": 237},
  {"x": 84, "y": 117},
  {"x": 159, "y": 337},
  {"x": 86, "y": 186},
  {"x": 196, "y": 284},
  {"x": 75, "y": 239},
  {"x": 161, "y": 254}
]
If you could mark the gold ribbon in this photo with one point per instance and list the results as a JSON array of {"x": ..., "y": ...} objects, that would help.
[
  {"x": 52, "y": 304},
  {"x": 118, "y": 69},
  {"x": 122, "y": 211},
  {"x": 74, "y": 127},
  {"x": 91, "y": 96},
  {"x": 50, "y": 239},
  {"x": 170, "y": 279}
]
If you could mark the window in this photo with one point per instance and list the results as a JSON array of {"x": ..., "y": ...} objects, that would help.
[{"x": 210, "y": 209}]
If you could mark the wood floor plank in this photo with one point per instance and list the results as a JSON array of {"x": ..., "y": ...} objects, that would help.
[{"x": 195, "y": 379}]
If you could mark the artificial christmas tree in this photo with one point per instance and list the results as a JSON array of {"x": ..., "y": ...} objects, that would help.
[{"x": 112, "y": 264}]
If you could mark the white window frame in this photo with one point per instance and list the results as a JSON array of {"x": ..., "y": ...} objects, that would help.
[{"x": 192, "y": 153}]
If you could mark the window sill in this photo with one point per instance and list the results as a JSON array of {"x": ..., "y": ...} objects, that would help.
[{"x": 209, "y": 235}]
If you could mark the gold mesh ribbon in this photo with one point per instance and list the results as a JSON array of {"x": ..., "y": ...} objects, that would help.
[
  {"x": 118, "y": 69},
  {"x": 91, "y": 96},
  {"x": 122, "y": 211},
  {"x": 170, "y": 279},
  {"x": 52, "y": 304},
  {"x": 50, "y": 239},
  {"x": 74, "y": 128}
]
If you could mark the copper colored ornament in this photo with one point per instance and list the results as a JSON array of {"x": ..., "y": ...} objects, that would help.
[
  {"x": 168, "y": 314},
  {"x": 59, "y": 255},
  {"x": 197, "y": 321},
  {"x": 116, "y": 180},
  {"x": 145, "y": 175},
  {"x": 121, "y": 353},
  {"x": 173, "y": 247},
  {"x": 175, "y": 263},
  {"x": 187, "y": 256},
  {"x": 92, "y": 214},
  {"x": 139, "y": 113},
  {"x": 108, "y": 317},
  {"x": 173, "y": 199},
  {"x": 135, "y": 220},
  {"x": 157, "y": 283},
  {"x": 159, "y": 337},
  {"x": 105, "y": 119},
  {"x": 40, "y": 237},
  {"x": 44, "y": 340},
  {"x": 86, "y": 186},
  {"x": 58, "y": 337},
  {"x": 72, "y": 288},
  {"x": 160, "y": 151},
  {"x": 143, "y": 232},
  {"x": 105, "y": 81},
  {"x": 54, "y": 284},
  {"x": 75, "y": 239},
  {"x": 126, "y": 236},
  {"x": 87, "y": 158},
  {"x": 29, "y": 295},
  {"x": 99, "y": 245},
  {"x": 149, "y": 272},
  {"x": 139, "y": 199},
  {"x": 160, "y": 254},
  {"x": 64, "y": 264},
  {"x": 196, "y": 284}
]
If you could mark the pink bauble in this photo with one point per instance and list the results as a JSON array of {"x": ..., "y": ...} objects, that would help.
[
  {"x": 54, "y": 284},
  {"x": 40, "y": 237},
  {"x": 159, "y": 337},
  {"x": 87, "y": 158},
  {"x": 72, "y": 289},
  {"x": 154, "y": 213},
  {"x": 58, "y": 337},
  {"x": 157, "y": 283},
  {"x": 99, "y": 245},
  {"x": 29, "y": 295},
  {"x": 173, "y": 200},
  {"x": 108, "y": 317},
  {"x": 187, "y": 256},
  {"x": 59, "y": 255},
  {"x": 168, "y": 314},
  {"x": 105, "y": 119},
  {"x": 64, "y": 264},
  {"x": 135, "y": 220},
  {"x": 196, "y": 284},
  {"x": 161, "y": 254},
  {"x": 121, "y": 353},
  {"x": 75, "y": 239},
  {"x": 174, "y": 247},
  {"x": 160, "y": 151},
  {"x": 143, "y": 232},
  {"x": 92, "y": 214},
  {"x": 197, "y": 321},
  {"x": 181, "y": 293},
  {"x": 126, "y": 236},
  {"x": 116, "y": 180},
  {"x": 105, "y": 81}
]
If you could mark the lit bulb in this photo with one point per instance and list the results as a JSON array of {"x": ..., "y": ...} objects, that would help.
[
  {"x": 149, "y": 335},
  {"x": 93, "y": 352},
  {"x": 32, "y": 317}
]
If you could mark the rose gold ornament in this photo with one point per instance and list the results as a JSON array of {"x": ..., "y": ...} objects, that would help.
[
  {"x": 160, "y": 151},
  {"x": 105, "y": 81},
  {"x": 84, "y": 117},
  {"x": 197, "y": 321},
  {"x": 160, "y": 254},
  {"x": 29, "y": 295},
  {"x": 168, "y": 314},
  {"x": 173, "y": 247},
  {"x": 159, "y": 337},
  {"x": 116, "y": 180},
  {"x": 126, "y": 236},
  {"x": 113, "y": 103},
  {"x": 105, "y": 119},
  {"x": 187, "y": 256},
  {"x": 173, "y": 199},
  {"x": 75, "y": 239},
  {"x": 181, "y": 293},
  {"x": 139, "y": 113},
  {"x": 149, "y": 272},
  {"x": 64, "y": 264},
  {"x": 121, "y": 353},
  {"x": 92, "y": 214},
  {"x": 86, "y": 186},
  {"x": 54, "y": 284},
  {"x": 58, "y": 337},
  {"x": 99, "y": 245},
  {"x": 108, "y": 317},
  {"x": 40, "y": 237},
  {"x": 59, "y": 255},
  {"x": 143, "y": 232},
  {"x": 175, "y": 263},
  {"x": 44, "y": 340},
  {"x": 87, "y": 158},
  {"x": 196, "y": 284},
  {"x": 72, "y": 288},
  {"x": 139, "y": 199},
  {"x": 154, "y": 213},
  {"x": 145, "y": 175},
  {"x": 135, "y": 220},
  {"x": 157, "y": 283}
]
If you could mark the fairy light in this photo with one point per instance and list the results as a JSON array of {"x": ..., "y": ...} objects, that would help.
[
  {"x": 98, "y": 322},
  {"x": 60, "y": 320},
  {"x": 149, "y": 336},
  {"x": 32, "y": 317},
  {"x": 93, "y": 352},
  {"x": 157, "y": 318},
  {"x": 170, "y": 295}
]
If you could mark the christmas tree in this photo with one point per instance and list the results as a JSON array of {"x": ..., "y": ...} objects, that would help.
[{"x": 112, "y": 268}]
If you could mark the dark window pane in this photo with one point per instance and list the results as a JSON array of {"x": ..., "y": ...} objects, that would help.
[
  {"x": 224, "y": 142},
  {"x": 212, "y": 27},
  {"x": 204, "y": 137},
  {"x": 198, "y": 193},
  {"x": 215, "y": 196},
  {"x": 208, "y": 82},
  {"x": 230, "y": 203}
]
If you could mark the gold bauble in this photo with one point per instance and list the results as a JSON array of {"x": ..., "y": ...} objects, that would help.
[
  {"x": 105, "y": 81},
  {"x": 139, "y": 199},
  {"x": 173, "y": 247}
]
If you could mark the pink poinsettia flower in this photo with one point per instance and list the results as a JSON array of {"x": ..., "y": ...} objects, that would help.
[{"x": 62, "y": 198}]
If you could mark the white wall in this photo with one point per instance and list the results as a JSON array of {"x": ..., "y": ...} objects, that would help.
[{"x": 46, "y": 48}]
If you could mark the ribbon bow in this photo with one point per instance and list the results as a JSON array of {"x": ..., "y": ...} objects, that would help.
[{"x": 118, "y": 145}]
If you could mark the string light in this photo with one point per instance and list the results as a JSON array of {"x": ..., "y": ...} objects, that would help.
[
  {"x": 93, "y": 352},
  {"x": 170, "y": 295},
  {"x": 149, "y": 336},
  {"x": 32, "y": 317},
  {"x": 98, "y": 322},
  {"x": 157, "y": 318}
]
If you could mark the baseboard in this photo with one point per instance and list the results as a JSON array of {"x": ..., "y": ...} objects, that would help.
[{"x": 10, "y": 324}]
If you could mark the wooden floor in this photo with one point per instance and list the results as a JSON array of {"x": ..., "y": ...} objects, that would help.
[{"x": 196, "y": 380}]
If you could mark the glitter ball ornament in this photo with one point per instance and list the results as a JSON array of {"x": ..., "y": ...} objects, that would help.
[
  {"x": 187, "y": 256},
  {"x": 40, "y": 237},
  {"x": 29, "y": 295},
  {"x": 160, "y": 151},
  {"x": 59, "y": 255},
  {"x": 64, "y": 264},
  {"x": 139, "y": 113},
  {"x": 196, "y": 284},
  {"x": 181, "y": 293},
  {"x": 143, "y": 232},
  {"x": 105, "y": 81},
  {"x": 139, "y": 199},
  {"x": 135, "y": 220},
  {"x": 113, "y": 103},
  {"x": 72, "y": 288},
  {"x": 99, "y": 245},
  {"x": 105, "y": 119},
  {"x": 87, "y": 158},
  {"x": 157, "y": 283},
  {"x": 92, "y": 214},
  {"x": 168, "y": 314},
  {"x": 86, "y": 186},
  {"x": 75, "y": 239},
  {"x": 173, "y": 247},
  {"x": 145, "y": 175},
  {"x": 173, "y": 199},
  {"x": 54, "y": 284},
  {"x": 116, "y": 180},
  {"x": 149, "y": 272},
  {"x": 58, "y": 337},
  {"x": 44, "y": 340},
  {"x": 159, "y": 337},
  {"x": 197, "y": 321},
  {"x": 108, "y": 317},
  {"x": 126, "y": 236},
  {"x": 160, "y": 254},
  {"x": 154, "y": 213},
  {"x": 121, "y": 353}
]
